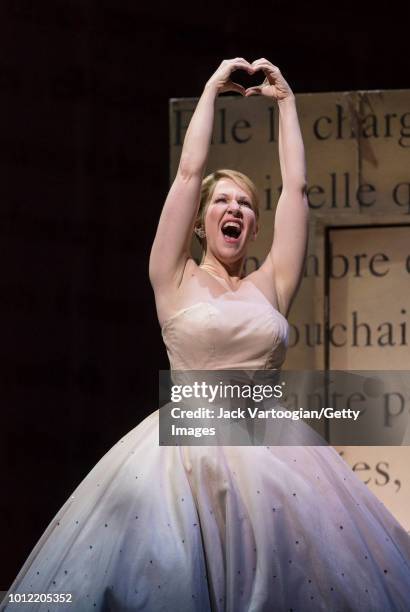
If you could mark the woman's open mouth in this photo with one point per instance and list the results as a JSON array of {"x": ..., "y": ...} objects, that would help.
[{"x": 231, "y": 231}]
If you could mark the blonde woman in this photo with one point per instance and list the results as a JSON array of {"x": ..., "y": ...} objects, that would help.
[{"x": 223, "y": 528}]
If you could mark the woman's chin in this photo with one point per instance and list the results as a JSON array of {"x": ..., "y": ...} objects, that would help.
[{"x": 230, "y": 252}]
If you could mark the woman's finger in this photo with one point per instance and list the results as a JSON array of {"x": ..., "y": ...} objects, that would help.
[
  {"x": 267, "y": 67},
  {"x": 253, "y": 91},
  {"x": 265, "y": 64},
  {"x": 232, "y": 86},
  {"x": 239, "y": 63},
  {"x": 262, "y": 60},
  {"x": 243, "y": 66}
]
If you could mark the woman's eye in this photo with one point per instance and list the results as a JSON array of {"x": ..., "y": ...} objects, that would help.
[
  {"x": 245, "y": 203},
  {"x": 220, "y": 200}
]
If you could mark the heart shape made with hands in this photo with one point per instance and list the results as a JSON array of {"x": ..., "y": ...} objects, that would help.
[{"x": 242, "y": 77}]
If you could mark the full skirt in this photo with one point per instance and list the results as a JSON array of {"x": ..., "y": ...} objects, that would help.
[{"x": 218, "y": 528}]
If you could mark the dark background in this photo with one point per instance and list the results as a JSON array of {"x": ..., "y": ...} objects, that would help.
[{"x": 84, "y": 157}]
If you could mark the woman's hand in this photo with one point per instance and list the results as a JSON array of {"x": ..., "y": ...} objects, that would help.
[
  {"x": 274, "y": 85},
  {"x": 221, "y": 78}
]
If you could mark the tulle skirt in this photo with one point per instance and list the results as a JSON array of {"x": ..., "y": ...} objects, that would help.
[{"x": 201, "y": 528}]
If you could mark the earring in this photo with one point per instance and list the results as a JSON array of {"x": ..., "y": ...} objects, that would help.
[{"x": 200, "y": 232}]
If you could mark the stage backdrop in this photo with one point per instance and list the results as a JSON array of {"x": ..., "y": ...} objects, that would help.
[{"x": 352, "y": 309}]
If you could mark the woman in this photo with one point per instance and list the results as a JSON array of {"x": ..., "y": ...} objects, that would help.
[{"x": 201, "y": 528}]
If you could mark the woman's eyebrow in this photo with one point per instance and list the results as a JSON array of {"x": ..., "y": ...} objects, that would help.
[{"x": 226, "y": 195}]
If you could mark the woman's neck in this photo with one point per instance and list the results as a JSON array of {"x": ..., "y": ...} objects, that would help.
[{"x": 232, "y": 274}]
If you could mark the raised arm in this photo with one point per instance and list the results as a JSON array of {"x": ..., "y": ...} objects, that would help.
[
  {"x": 171, "y": 247},
  {"x": 284, "y": 265}
]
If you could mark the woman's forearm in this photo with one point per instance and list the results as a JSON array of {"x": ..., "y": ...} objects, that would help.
[
  {"x": 291, "y": 149},
  {"x": 198, "y": 137},
  {"x": 199, "y": 133}
]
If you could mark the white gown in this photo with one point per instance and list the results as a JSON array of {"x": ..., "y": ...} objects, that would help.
[{"x": 220, "y": 528}]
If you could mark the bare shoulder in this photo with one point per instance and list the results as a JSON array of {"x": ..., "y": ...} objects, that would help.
[{"x": 169, "y": 298}]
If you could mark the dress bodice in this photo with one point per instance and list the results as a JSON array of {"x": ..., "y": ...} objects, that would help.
[{"x": 226, "y": 333}]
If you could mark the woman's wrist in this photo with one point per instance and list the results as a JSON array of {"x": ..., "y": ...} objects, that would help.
[
  {"x": 288, "y": 101},
  {"x": 212, "y": 87}
]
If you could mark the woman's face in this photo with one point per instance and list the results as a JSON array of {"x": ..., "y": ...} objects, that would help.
[{"x": 230, "y": 220}]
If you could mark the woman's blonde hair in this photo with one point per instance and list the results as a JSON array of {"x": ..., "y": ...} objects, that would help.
[{"x": 207, "y": 190}]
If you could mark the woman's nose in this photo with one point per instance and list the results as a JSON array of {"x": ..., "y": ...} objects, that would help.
[{"x": 234, "y": 206}]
